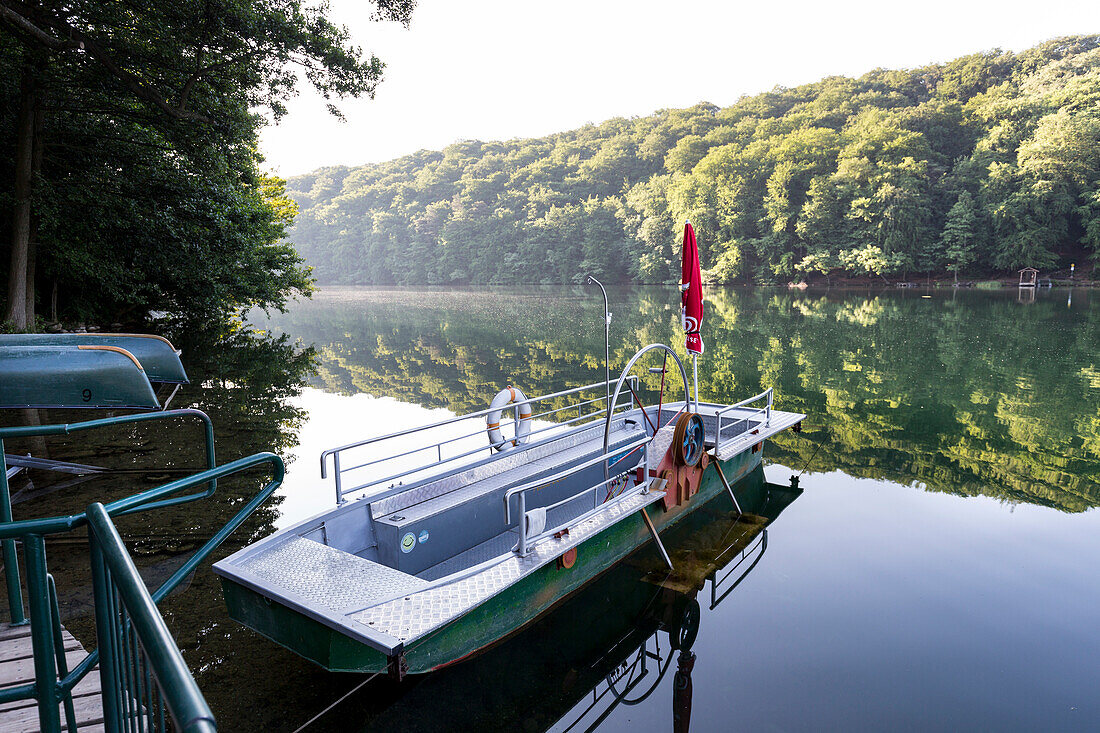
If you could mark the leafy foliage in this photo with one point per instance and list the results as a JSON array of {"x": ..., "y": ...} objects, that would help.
[
  {"x": 856, "y": 175},
  {"x": 149, "y": 192}
]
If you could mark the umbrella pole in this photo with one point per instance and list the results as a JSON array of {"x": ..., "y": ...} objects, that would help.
[{"x": 695, "y": 378}]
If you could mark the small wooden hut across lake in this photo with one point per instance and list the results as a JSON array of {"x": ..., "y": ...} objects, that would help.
[{"x": 1029, "y": 277}]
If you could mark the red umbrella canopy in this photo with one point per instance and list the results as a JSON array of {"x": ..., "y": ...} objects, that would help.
[{"x": 691, "y": 292}]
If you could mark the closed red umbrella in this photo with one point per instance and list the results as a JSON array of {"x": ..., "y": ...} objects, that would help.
[
  {"x": 691, "y": 303},
  {"x": 691, "y": 292}
]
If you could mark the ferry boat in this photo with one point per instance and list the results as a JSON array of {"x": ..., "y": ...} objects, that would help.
[{"x": 437, "y": 559}]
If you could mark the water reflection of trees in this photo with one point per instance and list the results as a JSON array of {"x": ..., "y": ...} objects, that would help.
[{"x": 969, "y": 392}]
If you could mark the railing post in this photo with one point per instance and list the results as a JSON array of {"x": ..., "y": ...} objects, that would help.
[
  {"x": 336, "y": 475},
  {"x": 59, "y": 653},
  {"x": 105, "y": 620},
  {"x": 523, "y": 524},
  {"x": 11, "y": 558},
  {"x": 45, "y": 666}
]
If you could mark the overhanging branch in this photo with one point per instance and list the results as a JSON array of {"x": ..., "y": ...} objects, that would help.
[{"x": 19, "y": 15}]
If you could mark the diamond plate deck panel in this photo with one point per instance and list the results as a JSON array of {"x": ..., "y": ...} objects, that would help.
[
  {"x": 419, "y": 613},
  {"x": 329, "y": 578},
  {"x": 660, "y": 444}
]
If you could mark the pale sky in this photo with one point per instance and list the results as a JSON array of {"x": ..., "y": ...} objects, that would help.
[{"x": 493, "y": 70}]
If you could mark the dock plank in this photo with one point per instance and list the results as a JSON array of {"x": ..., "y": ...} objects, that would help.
[
  {"x": 88, "y": 710},
  {"x": 17, "y": 667}
]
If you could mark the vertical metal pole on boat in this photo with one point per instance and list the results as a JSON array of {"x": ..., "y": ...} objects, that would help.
[
  {"x": 606, "y": 342},
  {"x": 522, "y": 524},
  {"x": 336, "y": 474}
]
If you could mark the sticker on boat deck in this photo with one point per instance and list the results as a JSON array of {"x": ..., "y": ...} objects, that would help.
[
  {"x": 423, "y": 536},
  {"x": 408, "y": 542}
]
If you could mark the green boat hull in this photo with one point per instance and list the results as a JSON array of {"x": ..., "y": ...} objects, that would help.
[
  {"x": 73, "y": 376},
  {"x": 496, "y": 618},
  {"x": 156, "y": 354}
]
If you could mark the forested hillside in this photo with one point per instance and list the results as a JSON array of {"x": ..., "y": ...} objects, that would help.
[{"x": 987, "y": 163}]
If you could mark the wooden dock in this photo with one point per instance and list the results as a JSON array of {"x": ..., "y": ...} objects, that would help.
[{"x": 17, "y": 667}]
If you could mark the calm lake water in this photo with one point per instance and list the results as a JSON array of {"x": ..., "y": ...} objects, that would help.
[{"x": 941, "y": 569}]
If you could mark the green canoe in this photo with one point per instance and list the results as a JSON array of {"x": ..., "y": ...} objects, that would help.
[
  {"x": 157, "y": 356},
  {"x": 73, "y": 376}
]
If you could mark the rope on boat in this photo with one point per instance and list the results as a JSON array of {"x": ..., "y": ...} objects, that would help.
[
  {"x": 343, "y": 697},
  {"x": 813, "y": 455}
]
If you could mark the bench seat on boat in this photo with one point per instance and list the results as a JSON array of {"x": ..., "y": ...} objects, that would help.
[
  {"x": 426, "y": 524},
  {"x": 502, "y": 543}
]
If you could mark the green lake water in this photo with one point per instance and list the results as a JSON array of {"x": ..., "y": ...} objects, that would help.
[{"x": 941, "y": 569}]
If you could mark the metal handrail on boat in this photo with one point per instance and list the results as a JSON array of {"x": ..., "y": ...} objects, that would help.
[
  {"x": 339, "y": 471},
  {"x": 765, "y": 411},
  {"x": 521, "y": 491},
  {"x": 626, "y": 376}
]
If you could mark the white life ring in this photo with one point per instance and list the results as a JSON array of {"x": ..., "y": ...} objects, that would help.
[{"x": 505, "y": 397}]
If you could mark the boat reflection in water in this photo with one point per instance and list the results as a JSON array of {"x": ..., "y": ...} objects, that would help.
[{"x": 611, "y": 645}]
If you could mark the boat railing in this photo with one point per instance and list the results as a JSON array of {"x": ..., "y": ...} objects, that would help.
[
  {"x": 759, "y": 414},
  {"x": 443, "y": 446},
  {"x": 760, "y": 544},
  {"x": 123, "y": 614},
  {"x": 612, "y": 459}
]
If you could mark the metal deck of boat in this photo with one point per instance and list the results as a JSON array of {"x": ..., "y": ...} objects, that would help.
[
  {"x": 411, "y": 617},
  {"x": 386, "y": 608},
  {"x": 337, "y": 587},
  {"x": 742, "y": 428},
  {"x": 494, "y": 547},
  {"x": 331, "y": 579}
]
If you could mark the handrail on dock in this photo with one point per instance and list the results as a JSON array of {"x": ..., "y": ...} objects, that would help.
[
  {"x": 11, "y": 564},
  {"x": 125, "y": 613},
  {"x": 142, "y": 671},
  {"x": 339, "y": 470}
]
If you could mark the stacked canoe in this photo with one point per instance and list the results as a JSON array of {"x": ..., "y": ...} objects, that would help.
[{"x": 99, "y": 370}]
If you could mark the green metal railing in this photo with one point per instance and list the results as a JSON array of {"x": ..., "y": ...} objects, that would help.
[
  {"x": 131, "y": 634},
  {"x": 11, "y": 563},
  {"x": 144, "y": 678}
]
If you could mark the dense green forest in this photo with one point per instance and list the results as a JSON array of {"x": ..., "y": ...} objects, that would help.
[
  {"x": 985, "y": 164},
  {"x": 130, "y": 177}
]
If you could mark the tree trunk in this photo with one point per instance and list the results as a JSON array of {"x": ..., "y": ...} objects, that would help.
[
  {"x": 32, "y": 239},
  {"x": 16, "y": 311}
]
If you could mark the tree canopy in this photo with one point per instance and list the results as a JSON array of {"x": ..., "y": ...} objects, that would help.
[
  {"x": 856, "y": 176},
  {"x": 134, "y": 181}
]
